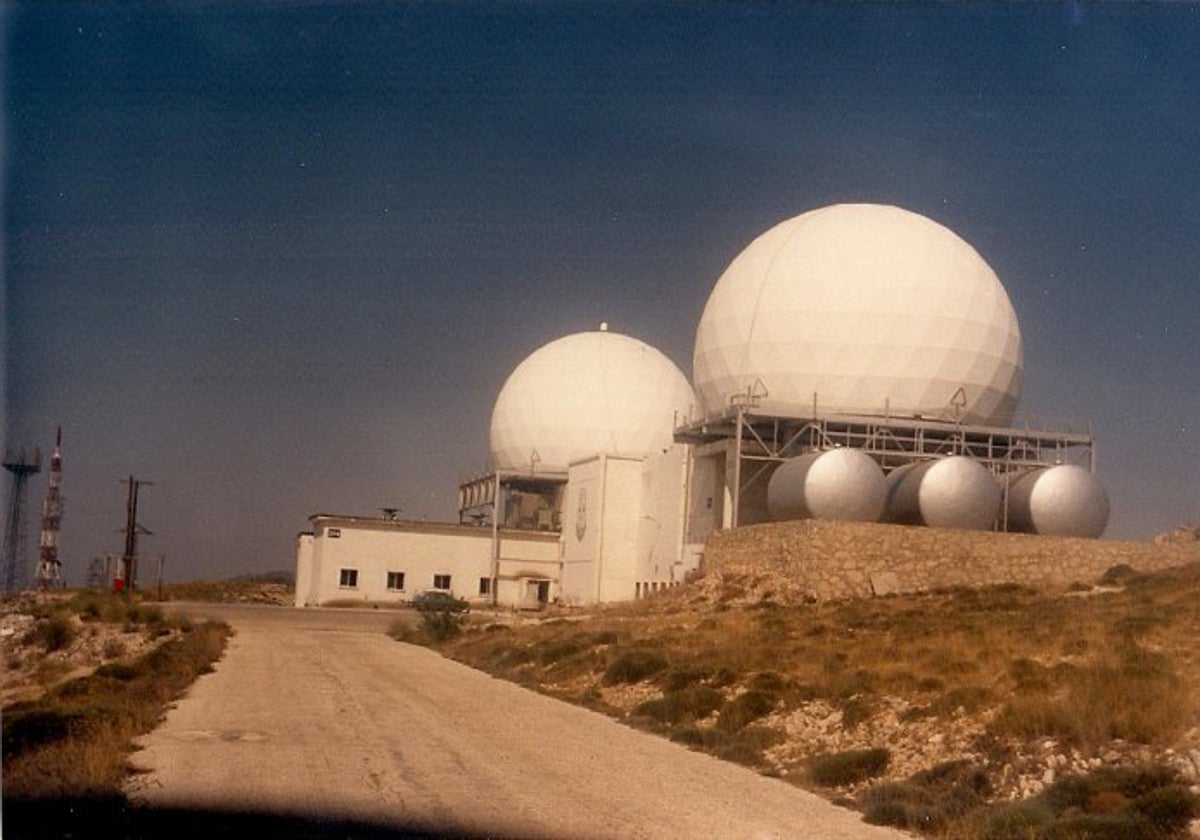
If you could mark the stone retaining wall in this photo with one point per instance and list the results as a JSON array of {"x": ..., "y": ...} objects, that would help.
[{"x": 832, "y": 560}]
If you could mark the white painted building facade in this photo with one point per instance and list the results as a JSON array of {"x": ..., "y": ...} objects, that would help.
[{"x": 622, "y": 537}]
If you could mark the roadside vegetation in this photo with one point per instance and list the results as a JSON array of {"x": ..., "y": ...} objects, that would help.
[
  {"x": 266, "y": 589},
  {"x": 442, "y": 619},
  {"x": 73, "y": 739},
  {"x": 1003, "y": 712}
]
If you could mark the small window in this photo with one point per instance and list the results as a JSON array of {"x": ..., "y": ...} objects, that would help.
[
  {"x": 334, "y": 533},
  {"x": 348, "y": 579},
  {"x": 485, "y": 586},
  {"x": 395, "y": 581},
  {"x": 441, "y": 582}
]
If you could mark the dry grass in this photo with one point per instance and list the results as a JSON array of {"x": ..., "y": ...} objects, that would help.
[
  {"x": 1079, "y": 668},
  {"x": 73, "y": 741}
]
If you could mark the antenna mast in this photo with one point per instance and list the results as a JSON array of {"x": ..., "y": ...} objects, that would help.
[{"x": 49, "y": 571}]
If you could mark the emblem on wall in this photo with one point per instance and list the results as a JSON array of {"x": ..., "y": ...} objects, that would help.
[{"x": 581, "y": 514}]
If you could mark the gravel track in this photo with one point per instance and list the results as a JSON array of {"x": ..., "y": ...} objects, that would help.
[{"x": 317, "y": 714}]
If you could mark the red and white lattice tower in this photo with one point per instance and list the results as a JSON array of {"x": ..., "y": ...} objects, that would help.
[{"x": 49, "y": 571}]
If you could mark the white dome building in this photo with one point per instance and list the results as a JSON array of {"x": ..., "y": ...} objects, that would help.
[
  {"x": 585, "y": 394},
  {"x": 860, "y": 309}
]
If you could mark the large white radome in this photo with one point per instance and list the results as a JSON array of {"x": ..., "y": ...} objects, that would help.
[
  {"x": 586, "y": 394},
  {"x": 873, "y": 309}
]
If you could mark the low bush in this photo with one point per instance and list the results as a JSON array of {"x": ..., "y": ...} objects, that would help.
[
  {"x": 849, "y": 767},
  {"x": 118, "y": 671},
  {"x": 855, "y": 710},
  {"x": 767, "y": 681},
  {"x": 441, "y": 614},
  {"x": 547, "y": 653},
  {"x": 684, "y": 676},
  {"x": 1113, "y": 803},
  {"x": 746, "y": 708},
  {"x": 702, "y": 737},
  {"x": 633, "y": 666},
  {"x": 689, "y": 704},
  {"x": 1027, "y": 818},
  {"x": 53, "y": 633},
  {"x": 928, "y": 800}
]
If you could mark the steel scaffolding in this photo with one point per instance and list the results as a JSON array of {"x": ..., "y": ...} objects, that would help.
[{"x": 753, "y": 443}]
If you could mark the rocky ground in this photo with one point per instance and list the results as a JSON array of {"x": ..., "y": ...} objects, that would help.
[
  {"x": 29, "y": 669},
  {"x": 1021, "y": 769}
]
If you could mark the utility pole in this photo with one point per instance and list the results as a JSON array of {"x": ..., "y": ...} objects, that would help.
[{"x": 127, "y": 574}]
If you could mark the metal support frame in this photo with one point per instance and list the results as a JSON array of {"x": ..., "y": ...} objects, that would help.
[
  {"x": 893, "y": 442},
  {"x": 480, "y": 501}
]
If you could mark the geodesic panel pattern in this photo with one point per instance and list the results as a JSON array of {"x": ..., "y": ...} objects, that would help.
[
  {"x": 583, "y": 395},
  {"x": 860, "y": 309}
]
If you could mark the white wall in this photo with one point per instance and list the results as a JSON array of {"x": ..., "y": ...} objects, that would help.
[
  {"x": 600, "y": 533},
  {"x": 583, "y": 505},
  {"x": 371, "y": 548},
  {"x": 661, "y": 525},
  {"x": 618, "y": 571},
  {"x": 304, "y": 561}
]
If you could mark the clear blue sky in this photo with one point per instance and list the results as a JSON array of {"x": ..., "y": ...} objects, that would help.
[{"x": 279, "y": 258}]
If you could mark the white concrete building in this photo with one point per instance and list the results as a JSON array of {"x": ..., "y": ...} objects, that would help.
[
  {"x": 621, "y": 537},
  {"x": 380, "y": 560}
]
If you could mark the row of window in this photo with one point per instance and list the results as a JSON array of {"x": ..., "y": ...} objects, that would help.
[{"x": 348, "y": 579}]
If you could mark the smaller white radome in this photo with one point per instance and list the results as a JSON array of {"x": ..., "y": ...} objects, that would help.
[
  {"x": 841, "y": 484},
  {"x": 1062, "y": 501},
  {"x": 953, "y": 492},
  {"x": 587, "y": 394}
]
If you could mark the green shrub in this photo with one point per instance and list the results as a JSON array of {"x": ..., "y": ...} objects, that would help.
[
  {"x": 53, "y": 633},
  {"x": 118, "y": 671},
  {"x": 633, "y": 666},
  {"x": 1169, "y": 809},
  {"x": 855, "y": 711},
  {"x": 550, "y": 652},
  {"x": 766, "y": 681},
  {"x": 928, "y": 800},
  {"x": 29, "y": 728},
  {"x": 706, "y": 738},
  {"x": 441, "y": 614},
  {"x": 849, "y": 767},
  {"x": 1130, "y": 803},
  {"x": 1118, "y": 573},
  {"x": 694, "y": 703},
  {"x": 1123, "y": 825},
  {"x": 1027, "y": 818},
  {"x": 746, "y": 708},
  {"x": 685, "y": 676}
]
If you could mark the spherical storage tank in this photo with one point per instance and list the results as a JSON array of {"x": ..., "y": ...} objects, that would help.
[
  {"x": 586, "y": 394},
  {"x": 953, "y": 492},
  {"x": 1063, "y": 501},
  {"x": 873, "y": 310},
  {"x": 843, "y": 484}
]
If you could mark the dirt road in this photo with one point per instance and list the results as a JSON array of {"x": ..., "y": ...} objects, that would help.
[{"x": 317, "y": 714}]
